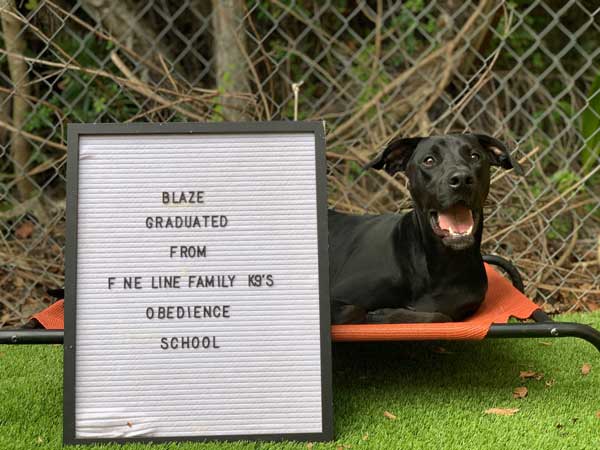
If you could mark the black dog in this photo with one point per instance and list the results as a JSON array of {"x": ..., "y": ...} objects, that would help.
[{"x": 424, "y": 266}]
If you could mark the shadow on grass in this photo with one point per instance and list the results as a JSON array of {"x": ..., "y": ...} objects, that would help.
[{"x": 425, "y": 364}]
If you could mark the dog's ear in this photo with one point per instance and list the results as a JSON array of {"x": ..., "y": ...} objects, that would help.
[
  {"x": 394, "y": 157},
  {"x": 499, "y": 153}
]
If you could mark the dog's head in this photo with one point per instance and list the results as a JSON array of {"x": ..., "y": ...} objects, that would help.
[{"x": 449, "y": 179}]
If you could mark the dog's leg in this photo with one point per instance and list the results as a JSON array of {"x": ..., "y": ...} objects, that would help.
[
  {"x": 345, "y": 314},
  {"x": 402, "y": 315}
]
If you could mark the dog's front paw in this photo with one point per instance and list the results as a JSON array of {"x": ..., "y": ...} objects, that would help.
[
  {"x": 348, "y": 314},
  {"x": 402, "y": 315},
  {"x": 386, "y": 315}
]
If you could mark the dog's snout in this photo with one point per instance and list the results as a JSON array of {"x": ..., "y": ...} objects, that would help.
[{"x": 461, "y": 179}]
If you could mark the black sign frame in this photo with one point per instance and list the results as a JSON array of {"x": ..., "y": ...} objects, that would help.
[{"x": 74, "y": 132}]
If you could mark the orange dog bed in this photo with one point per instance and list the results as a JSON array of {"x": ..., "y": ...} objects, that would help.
[{"x": 502, "y": 301}]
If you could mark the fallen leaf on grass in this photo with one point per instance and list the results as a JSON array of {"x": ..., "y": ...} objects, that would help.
[
  {"x": 366, "y": 435},
  {"x": 502, "y": 411},
  {"x": 525, "y": 374},
  {"x": 24, "y": 231},
  {"x": 441, "y": 350},
  {"x": 39, "y": 440},
  {"x": 520, "y": 392},
  {"x": 550, "y": 382},
  {"x": 586, "y": 368},
  {"x": 389, "y": 415},
  {"x": 309, "y": 445},
  {"x": 598, "y": 414}
]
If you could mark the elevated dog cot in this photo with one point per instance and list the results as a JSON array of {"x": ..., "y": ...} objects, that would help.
[{"x": 503, "y": 301}]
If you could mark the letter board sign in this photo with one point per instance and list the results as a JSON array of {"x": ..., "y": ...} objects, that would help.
[{"x": 197, "y": 303}]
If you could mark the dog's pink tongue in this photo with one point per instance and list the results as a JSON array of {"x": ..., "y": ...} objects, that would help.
[{"x": 457, "y": 219}]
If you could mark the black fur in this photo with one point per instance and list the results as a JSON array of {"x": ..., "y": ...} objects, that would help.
[{"x": 396, "y": 268}]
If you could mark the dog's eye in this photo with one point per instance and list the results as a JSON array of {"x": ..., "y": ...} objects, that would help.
[
  {"x": 428, "y": 162},
  {"x": 475, "y": 156}
]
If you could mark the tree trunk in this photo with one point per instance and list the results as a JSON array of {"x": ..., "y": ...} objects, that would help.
[
  {"x": 15, "y": 44},
  {"x": 4, "y": 117},
  {"x": 132, "y": 32},
  {"x": 229, "y": 50}
]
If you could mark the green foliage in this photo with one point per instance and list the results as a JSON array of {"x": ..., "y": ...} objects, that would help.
[
  {"x": 31, "y": 5},
  {"x": 414, "y": 29},
  {"x": 42, "y": 118},
  {"x": 362, "y": 69},
  {"x": 522, "y": 39},
  {"x": 564, "y": 179},
  {"x": 354, "y": 172},
  {"x": 218, "y": 113},
  {"x": 81, "y": 97},
  {"x": 560, "y": 228},
  {"x": 590, "y": 127}
]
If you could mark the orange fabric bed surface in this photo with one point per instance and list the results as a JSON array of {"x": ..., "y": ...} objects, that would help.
[
  {"x": 53, "y": 317},
  {"x": 501, "y": 302}
]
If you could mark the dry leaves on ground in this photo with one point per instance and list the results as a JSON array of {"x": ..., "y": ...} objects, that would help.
[
  {"x": 502, "y": 411},
  {"x": 520, "y": 392},
  {"x": 586, "y": 368},
  {"x": 389, "y": 415},
  {"x": 25, "y": 230}
]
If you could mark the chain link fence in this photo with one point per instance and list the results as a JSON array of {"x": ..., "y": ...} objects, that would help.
[{"x": 527, "y": 72}]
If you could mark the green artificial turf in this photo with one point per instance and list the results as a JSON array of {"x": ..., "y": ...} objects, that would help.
[{"x": 438, "y": 396}]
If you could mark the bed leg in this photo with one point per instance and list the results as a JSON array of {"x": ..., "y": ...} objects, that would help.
[{"x": 546, "y": 330}]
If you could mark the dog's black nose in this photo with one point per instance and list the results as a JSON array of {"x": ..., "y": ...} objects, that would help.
[{"x": 460, "y": 179}]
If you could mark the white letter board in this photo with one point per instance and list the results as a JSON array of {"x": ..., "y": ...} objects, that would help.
[{"x": 197, "y": 304}]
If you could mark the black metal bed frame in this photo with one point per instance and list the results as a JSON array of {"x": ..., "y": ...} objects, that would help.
[{"x": 543, "y": 326}]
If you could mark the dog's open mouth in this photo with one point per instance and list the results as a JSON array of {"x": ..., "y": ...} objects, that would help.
[{"x": 455, "y": 226}]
